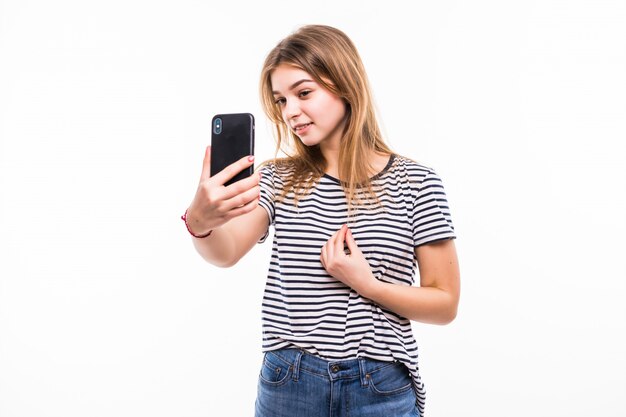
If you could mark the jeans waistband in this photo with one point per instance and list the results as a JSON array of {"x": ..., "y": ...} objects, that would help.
[{"x": 300, "y": 361}]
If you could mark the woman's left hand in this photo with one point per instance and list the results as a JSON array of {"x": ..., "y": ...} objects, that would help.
[{"x": 350, "y": 268}]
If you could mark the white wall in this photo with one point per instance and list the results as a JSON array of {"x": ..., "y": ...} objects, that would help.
[{"x": 105, "y": 107}]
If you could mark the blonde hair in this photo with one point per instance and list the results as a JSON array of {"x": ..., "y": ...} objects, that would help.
[{"x": 331, "y": 58}]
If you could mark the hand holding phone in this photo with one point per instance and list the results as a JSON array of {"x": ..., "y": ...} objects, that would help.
[{"x": 215, "y": 202}]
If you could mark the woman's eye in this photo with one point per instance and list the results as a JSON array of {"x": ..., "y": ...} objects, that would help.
[
  {"x": 304, "y": 93},
  {"x": 280, "y": 101}
]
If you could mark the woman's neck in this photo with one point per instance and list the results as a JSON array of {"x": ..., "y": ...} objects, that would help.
[
  {"x": 376, "y": 161},
  {"x": 330, "y": 151}
]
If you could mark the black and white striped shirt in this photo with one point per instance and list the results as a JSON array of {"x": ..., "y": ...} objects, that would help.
[{"x": 305, "y": 307}]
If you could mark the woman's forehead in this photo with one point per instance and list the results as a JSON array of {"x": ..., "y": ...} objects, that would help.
[{"x": 283, "y": 77}]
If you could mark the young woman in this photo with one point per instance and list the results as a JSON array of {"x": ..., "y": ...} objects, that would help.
[{"x": 352, "y": 220}]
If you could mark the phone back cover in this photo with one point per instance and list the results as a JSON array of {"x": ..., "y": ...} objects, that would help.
[{"x": 235, "y": 141}]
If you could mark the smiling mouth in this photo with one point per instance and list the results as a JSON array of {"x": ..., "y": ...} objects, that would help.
[{"x": 300, "y": 127}]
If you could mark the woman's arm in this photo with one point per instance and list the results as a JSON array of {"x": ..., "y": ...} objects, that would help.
[
  {"x": 435, "y": 301},
  {"x": 230, "y": 242},
  {"x": 232, "y": 213}
]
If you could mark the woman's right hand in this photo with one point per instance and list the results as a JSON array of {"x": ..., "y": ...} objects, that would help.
[{"x": 215, "y": 204}]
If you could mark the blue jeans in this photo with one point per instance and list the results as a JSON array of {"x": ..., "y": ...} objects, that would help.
[{"x": 293, "y": 383}]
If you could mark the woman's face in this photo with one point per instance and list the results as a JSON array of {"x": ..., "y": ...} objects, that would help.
[{"x": 313, "y": 113}]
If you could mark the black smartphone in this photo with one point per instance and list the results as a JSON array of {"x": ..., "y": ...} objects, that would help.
[{"x": 232, "y": 138}]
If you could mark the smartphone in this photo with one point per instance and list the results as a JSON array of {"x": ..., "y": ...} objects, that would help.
[{"x": 232, "y": 138}]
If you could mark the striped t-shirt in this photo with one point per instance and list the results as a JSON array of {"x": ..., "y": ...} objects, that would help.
[{"x": 304, "y": 307}]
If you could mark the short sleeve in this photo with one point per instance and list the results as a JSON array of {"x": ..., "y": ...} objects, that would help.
[
  {"x": 431, "y": 217},
  {"x": 267, "y": 194}
]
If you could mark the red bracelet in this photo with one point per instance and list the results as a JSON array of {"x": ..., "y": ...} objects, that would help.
[{"x": 184, "y": 218}]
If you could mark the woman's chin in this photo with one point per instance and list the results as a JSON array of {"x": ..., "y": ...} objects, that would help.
[{"x": 308, "y": 142}]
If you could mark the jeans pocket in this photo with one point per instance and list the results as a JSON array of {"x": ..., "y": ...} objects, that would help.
[
  {"x": 390, "y": 380},
  {"x": 274, "y": 371}
]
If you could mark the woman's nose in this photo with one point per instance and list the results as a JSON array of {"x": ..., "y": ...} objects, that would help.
[{"x": 292, "y": 109}]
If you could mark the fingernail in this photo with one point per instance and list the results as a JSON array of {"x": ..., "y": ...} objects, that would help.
[{"x": 251, "y": 158}]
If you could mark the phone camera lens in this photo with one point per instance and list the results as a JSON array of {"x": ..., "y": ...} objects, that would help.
[{"x": 217, "y": 126}]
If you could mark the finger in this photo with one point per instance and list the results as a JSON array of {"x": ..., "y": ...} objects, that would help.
[
  {"x": 233, "y": 169},
  {"x": 246, "y": 208},
  {"x": 206, "y": 165},
  {"x": 241, "y": 199},
  {"x": 242, "y": 186},
  {"x": 352, "y": 246},
  {"x": 339, "y": 241},
  {"x": 323, "y": 256}
]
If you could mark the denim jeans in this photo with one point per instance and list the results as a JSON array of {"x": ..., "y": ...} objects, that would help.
[{"x": 293, "y": 383}]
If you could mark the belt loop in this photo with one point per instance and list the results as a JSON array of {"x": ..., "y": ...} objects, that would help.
[
  {"x": 296, "y": 365},
  {"x": 365, "y": 377}
]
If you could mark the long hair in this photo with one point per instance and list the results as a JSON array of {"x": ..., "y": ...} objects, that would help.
[{"x": 333, "y": 61}]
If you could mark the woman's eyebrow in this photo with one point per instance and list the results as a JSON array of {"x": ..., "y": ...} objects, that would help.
[{"x": 294, "y": 85}]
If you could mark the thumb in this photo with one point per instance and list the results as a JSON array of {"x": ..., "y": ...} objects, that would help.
[
  {"x": 351, "y": 243},
  {"x": 206, "y": 165}
]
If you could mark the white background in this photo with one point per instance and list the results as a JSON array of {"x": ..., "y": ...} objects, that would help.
[{"x": 105, "y": 108}]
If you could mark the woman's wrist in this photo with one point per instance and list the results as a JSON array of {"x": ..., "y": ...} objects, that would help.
[
  {"x": 185, "y": 218},
  {"x": 371, "y": 288}
]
